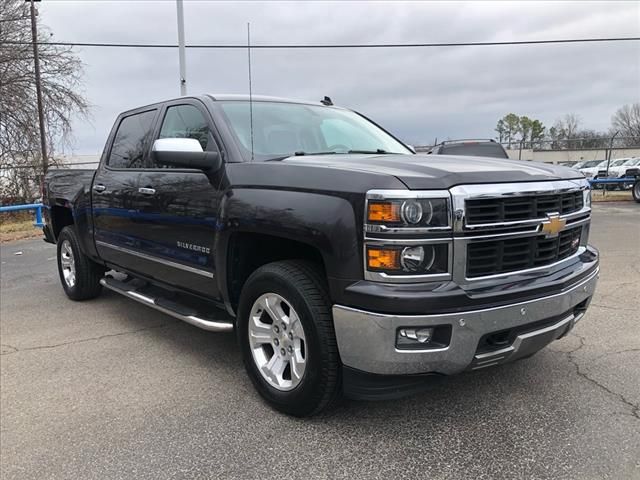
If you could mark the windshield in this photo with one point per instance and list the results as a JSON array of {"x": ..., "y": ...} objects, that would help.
[
  {"x": 592, "y": 163},
  {"x": 617, "y": 163},
  {"x": 632, "y": 162},
  {"x": 488, "y": 149},
  {"x": 285, "y": 129}
]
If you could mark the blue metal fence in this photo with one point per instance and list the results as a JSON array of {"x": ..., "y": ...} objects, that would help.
[
  {"x": 600, "y": 181},
  {"x": 30, "y": 206}
]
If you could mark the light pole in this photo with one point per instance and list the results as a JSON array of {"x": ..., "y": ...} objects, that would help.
[
  {"x": 36, "y": 61},
  {"x": 181, "y": 49}
]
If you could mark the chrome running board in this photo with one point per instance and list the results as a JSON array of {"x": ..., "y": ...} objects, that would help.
[{"x": 166, "y": 306}]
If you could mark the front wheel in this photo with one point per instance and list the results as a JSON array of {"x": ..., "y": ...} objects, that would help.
[
  {"x": 287, "y": 337},
  {"x": 636, "y": 191}
]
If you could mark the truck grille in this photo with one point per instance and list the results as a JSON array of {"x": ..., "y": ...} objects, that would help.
[
  {"x": 511, "y": 209},
  {"x": 502, "y": 256}
]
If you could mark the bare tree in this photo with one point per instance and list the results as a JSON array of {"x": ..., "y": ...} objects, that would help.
[
  {"x": 61, "y": 70},
  {"x": 627, "y": 121}
]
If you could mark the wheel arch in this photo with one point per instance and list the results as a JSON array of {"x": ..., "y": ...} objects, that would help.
[
  {"x": 248, "y": 251},
  {"x": 261, "y": 226}
]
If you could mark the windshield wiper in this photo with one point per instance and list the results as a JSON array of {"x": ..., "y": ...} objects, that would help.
[
  {"x": 299, "y": 154},
  {"x": 379, "y": 150}
]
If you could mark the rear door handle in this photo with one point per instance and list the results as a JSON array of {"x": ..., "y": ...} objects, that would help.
[
  {"x": 147, "y": 191},
  {"x": 99, "y": 188}
]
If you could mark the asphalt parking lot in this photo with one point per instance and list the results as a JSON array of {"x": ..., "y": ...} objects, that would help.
[{"x": 111, "y": 389}]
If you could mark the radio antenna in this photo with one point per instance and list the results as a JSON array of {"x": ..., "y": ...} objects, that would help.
[{"x": 250, "y": 91}]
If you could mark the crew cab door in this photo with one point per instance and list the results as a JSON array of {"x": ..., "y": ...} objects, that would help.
[
  {"x": 177, "y": 208},
  {"x": 115, "y": 187}
]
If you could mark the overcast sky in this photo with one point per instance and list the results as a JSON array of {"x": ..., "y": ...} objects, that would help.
[{"x": 417, "y": 93}]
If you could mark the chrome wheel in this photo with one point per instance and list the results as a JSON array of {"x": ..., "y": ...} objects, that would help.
[
  {"x": 68, "y": 264},
  {"x": 277, "y": 341}
]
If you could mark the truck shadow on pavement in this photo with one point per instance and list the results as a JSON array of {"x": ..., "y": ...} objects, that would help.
[{"x": 486, "y": 395}]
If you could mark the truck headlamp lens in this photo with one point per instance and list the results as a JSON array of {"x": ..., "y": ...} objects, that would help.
[
  {"x": 412, "y": 212},
  {"x": 415, "y": 213},
  {"x": 409, "y": 260}
]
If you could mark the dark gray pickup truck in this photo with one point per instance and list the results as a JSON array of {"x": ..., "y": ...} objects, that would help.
[{"x": 344, "y": 262}]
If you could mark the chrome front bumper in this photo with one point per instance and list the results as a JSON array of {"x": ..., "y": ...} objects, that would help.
[{"x": 366, "y": 340}]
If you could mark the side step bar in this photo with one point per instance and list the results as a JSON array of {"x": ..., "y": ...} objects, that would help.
[{"x": 165, "y": 306}]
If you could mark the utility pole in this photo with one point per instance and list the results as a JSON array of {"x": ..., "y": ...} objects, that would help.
[
  {"x": 36, "y": 60},
  {"x": 181, "y": 49}
]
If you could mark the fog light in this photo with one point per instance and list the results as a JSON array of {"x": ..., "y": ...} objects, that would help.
[{"x": 409, "y": 336}]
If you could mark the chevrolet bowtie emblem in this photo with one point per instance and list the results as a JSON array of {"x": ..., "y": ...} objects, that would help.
[{"x": 553, "y": 225}]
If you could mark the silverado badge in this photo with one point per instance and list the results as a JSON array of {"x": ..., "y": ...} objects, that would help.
[{"x": 553, "y": 225}]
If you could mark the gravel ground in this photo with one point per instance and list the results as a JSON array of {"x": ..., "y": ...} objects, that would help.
[{"x": 111, "y": 389}]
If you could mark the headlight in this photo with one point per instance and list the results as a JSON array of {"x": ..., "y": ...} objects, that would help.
[
  {"x": 427, "y": 259},
  {"x": 413, "y": 213},
  {"x": 408, "y": 236},
  {"x": 587, "y": 198}
]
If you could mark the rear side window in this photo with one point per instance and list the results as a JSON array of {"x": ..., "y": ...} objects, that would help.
[
  {"x": 185, "y": 121},
  {"x": 130, "y": 145},
  {"x": 488, "y": 149}
]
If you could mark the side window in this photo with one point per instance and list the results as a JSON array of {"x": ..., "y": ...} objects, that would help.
[
  {"x": 130, "y": 144},
  {"x": 185, "y": 121}
]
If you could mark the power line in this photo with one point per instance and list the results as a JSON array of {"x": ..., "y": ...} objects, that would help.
[{"x": 343, "y": 45}]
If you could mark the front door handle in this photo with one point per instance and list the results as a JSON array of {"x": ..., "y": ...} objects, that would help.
[
  {"x": 99, "y": 188},
  {"x": 147, "y": 191}
]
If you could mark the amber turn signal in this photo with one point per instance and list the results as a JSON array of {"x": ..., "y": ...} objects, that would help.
[
  {"x": 383, "y": 212},
  {"x": 383, "y": 259}
]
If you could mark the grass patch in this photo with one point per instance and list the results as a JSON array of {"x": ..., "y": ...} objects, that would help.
[
  {"x": 17, "y": 227},
  {"x": 611, "y": 196}
]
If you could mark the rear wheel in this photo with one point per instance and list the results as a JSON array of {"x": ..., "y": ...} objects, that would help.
[
  {"x": 636, "y": 191},
  {"x": 287, "y": 337},
  {"x": 80, "y": 277}
]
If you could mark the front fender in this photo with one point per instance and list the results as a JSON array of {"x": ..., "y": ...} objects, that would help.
[{"x": 325, "y": 222}]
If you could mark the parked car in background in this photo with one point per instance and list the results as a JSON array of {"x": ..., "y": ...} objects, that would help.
[
  {"x": 627, "y": 169},
  {"x": 590, "y": 169},
  {"x": 615, "y": 167},
  {"x": 475, "y": 148},
  {"x": 574, "y": 165},
  {"x": 631, "y": 167},
  {"x": 618, "y": 168}
]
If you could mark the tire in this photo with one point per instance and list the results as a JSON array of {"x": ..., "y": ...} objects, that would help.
[
  {"x": 282, "y": 287},
  {"x": 80, "y": 277},
  {"x": 635, "y": 191}
]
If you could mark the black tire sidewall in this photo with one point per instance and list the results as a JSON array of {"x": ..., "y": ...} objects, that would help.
[
  {"x": 87, "y": 273},
  {"x": 299, "y": 400}
]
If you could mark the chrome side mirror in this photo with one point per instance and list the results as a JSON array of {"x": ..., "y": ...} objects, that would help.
[
  {"x": 184, "y": 153},
  {"x": 177, "y": 145}
]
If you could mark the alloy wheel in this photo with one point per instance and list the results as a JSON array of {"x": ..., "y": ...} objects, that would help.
[
  {"x": 277, "y": 341},
  {"x": 68, "y": 264}
]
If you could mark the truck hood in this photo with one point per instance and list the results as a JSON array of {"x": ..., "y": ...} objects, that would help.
[{"x": 440, "y": 171}]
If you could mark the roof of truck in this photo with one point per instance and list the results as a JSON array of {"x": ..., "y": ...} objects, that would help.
[
  {"x": 258, "y": 98},
  {"x": 230, "y": 97}
]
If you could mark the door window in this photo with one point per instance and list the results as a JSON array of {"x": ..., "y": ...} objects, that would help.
[
  {"x": 130, "y": 145},
  {"x": 185, "y": 121}
]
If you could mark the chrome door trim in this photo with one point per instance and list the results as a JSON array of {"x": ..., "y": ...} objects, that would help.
[{"x": 152, "y": 258}]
